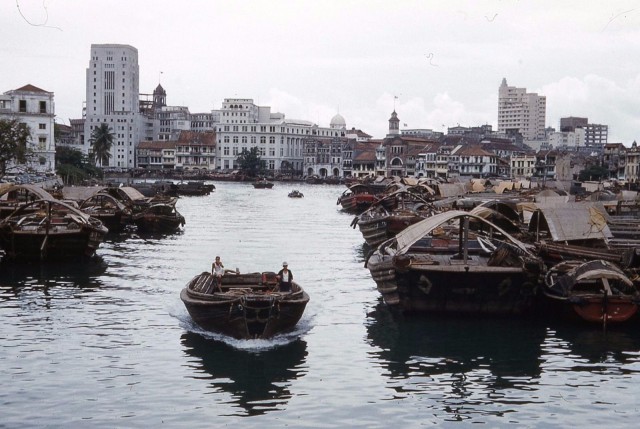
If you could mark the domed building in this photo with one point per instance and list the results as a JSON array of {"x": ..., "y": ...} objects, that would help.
[{"x": 338, "y": 122}]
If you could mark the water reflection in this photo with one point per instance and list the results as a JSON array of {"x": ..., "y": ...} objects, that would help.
[
  {"x": 594, "y": 349},
  {"x": 507, "y": 348},
  {"x": 258, "y": 381},
  {"x": 17, "y": 277}
]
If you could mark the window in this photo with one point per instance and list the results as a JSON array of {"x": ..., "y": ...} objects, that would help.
[
  {"x": 226, "y": 150},
  {"x": 42, "y": 126},
  {"x": 43, "y": 107},
  {"x": 23, "y": 106}
]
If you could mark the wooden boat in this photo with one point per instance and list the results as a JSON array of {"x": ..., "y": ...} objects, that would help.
[
  {"x": 112, "y": 213},
  {"x": 15, "y": 196},
  {"x": 158, "y": 187},
  {"x": 594, "y": 291},
  {"x": 380, "y": 222},
  {"x": 456, "y": 262},
  {"x": 357, "y": 198},
  {"x": 262, "y": 184},
  {"x": 159, "y": 218},
  {"x": 50, "y": 229},
  {"x": 195, "y": 187},
  {"x": 243, "y": 306},
  {"x": 295, "y": 194}
]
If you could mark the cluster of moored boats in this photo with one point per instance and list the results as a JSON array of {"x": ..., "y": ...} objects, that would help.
[
  {"x": 71, "y": 222},
  {"x": 500, "y": 249}
]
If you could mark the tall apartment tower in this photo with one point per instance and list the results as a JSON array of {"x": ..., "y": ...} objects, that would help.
[
  {"x": 113, "y": 97},
  {"x": 522, "y": 112}
]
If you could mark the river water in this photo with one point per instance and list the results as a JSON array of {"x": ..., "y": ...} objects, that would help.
[{"x": 110, "y": 344}]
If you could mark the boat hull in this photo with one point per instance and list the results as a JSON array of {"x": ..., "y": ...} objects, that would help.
[
  {"x": 241, "y": 313},
  {"x": 54, "y": 245},
  {"x": 454, "y": 289}
]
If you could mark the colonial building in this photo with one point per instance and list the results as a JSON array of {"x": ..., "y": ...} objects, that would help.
[
  {"x": 157, "y": 155},
  {"x": 523, "y": 166},
  {"x": 34, "y": 107},
  {"x": 196, "y": 150},
  {"x": 365, "y": 158},
  {"x": 401, "y": 154},
  {"x": 243, "y": 125},
  {"x": 323, "y": 156},
  {"x": 476, "y": 162},
  {"x": 632, "y": 165},
  {"x": 613, "y": 159},
  {"x": 545, "y": 168}
]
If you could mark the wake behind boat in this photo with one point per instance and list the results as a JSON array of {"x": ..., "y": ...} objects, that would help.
[{"x": 243, "y": 306}]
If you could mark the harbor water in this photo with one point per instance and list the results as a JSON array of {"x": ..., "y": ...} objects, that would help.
[{"x": 109, "y": 343}]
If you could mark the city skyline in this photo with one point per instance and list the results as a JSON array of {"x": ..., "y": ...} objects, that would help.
[{"x": 438, "y": 65}]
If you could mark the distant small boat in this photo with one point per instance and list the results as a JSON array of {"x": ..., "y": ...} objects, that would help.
[
  {"x": 195, "y": 187},
  {"x": 263, "y": 184},
  {"x": 295, "y": 194},
  {"x": 243, "y": 306},
  {"x": 595, "y": 291}
]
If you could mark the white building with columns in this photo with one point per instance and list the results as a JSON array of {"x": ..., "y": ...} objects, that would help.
[{"x": 241, "y": 124}]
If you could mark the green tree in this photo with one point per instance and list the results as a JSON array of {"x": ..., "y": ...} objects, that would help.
[
  {"x": 102, "y": 140},
  {"x": 14, "y": 137},
  {"x": 73, "y": 166},
  {"x": 594, "y": 172},
  {"x": 250, "y": 162}
]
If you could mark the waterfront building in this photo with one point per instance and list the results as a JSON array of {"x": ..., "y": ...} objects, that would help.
[
  {"x": 521, "y": 112},
  {"x": 196, "y": 150},
  {"x": 113, "y": 98},
  {"x": 156, "y": 155},
  {"x": 241, "y": 125},
  {"x": 34, "y": 107},
  {"x": 365, "y": 159},
  {"x": 400, "y": 154},
  {"x": 323, "y": 157}
]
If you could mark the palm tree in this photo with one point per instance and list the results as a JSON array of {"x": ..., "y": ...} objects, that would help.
[{"x": 102, "y": 140}]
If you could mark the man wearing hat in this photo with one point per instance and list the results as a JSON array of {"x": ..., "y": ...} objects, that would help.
[{"x": 285, "y": 277}]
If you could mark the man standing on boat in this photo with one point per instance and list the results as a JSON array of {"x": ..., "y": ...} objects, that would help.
[{"x": 285, "y": 277}]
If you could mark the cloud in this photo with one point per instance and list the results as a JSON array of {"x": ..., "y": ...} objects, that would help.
[{"x": 602, "y": 100}]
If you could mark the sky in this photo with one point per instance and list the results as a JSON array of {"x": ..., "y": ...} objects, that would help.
[{"x": 437, "y": 63}]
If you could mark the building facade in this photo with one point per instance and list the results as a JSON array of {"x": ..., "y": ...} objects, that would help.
[
  {"x": 242, "y": 125},
  {"x": 521, "y": 112},
  {"x": 113, "y": 98},
  {"x": 35, "y": 108}
]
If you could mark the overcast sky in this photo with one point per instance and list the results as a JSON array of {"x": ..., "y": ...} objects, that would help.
[{"x": 443, "y": 60}]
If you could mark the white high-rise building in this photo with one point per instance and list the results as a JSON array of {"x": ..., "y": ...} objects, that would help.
[
  {"x": 521, "y": 112},
  {"x": 113, "y": 97}
]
